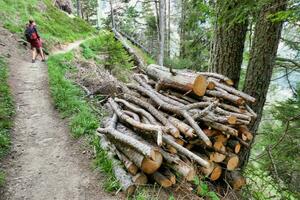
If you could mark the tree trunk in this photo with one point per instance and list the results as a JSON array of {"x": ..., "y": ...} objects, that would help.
[
  {"x": 162, "y": 8},
  {"x": 228, "y": 43},
  {"x": 112, "y": 14},
  {"x": 182, "y": 28},
  {"x": 78, "y": 8},
  {"x": 262, "y": 59},
  {"x": 169, "y": 30}
]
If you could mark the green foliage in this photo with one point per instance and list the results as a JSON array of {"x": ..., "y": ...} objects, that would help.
[
  {"x": 6, "y": 114},
  {"x": 68, "y": 98},
  {"x": 54, "y": 25},
  {"x": 181, "y": 63},
  {"x": 278, "y": 144},
  {"x": 111, "y": 52},
  {"x": 6, "y": 109},
  {"x": 202, "y": 189}
]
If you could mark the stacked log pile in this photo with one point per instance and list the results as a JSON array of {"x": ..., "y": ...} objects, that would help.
[{"x": 177, "y": 124}]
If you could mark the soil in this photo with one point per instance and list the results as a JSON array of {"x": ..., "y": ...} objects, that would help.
[{"x": 45, "y": 161}]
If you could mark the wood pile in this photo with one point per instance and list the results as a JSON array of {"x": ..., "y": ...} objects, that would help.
[{"x": 176, "y": 124}]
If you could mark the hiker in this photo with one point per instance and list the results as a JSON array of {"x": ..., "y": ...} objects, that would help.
[{"x": 35, "y": 41}]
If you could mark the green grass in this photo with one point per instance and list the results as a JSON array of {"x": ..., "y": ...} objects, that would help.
[
  {"x": 6, "y": 113},
  {"x": 69, "y": 100},
  {"x": 54, "y": 25}
]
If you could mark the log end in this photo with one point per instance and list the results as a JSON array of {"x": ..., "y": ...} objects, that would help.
[
  {"x": 211, "y": 85},
  {"x": 130, "y": 190},
  {"x": 232, "y": 119},
  {"x": 140, "y": 179},
  {"x": 217, "y": 157},
  {"x": 232, "y": 163},
  {"x": 216, "y": 173},
  {"x": 200, "y": 85},
  {"x": 237, "y": 148},
  {"x": 150, "y": 166},
  {"x": 229, "y": 82}
]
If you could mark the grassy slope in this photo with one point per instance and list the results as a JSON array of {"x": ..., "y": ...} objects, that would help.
[
  {"x": 6, "y": 113},
  {"x": 54, "y": 25}
]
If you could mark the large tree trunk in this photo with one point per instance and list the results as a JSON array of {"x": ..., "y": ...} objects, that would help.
[
  {"x": 262, "y": 59},
  {"x": 228, "y": 47},
  {"x": 162, "y": 18}
]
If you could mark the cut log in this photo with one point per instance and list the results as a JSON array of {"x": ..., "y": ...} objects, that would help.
[
  {"x": 147, "y": 165},
  {"x": 171, "y": 149},
  {"x": 125, "y": 139},
  {"x": 238, "y": 115},
  {"x": 221, "y": 127},
  {"x": 246, "y": 134},
  {"x": 129, "y": 165},
  {"x": 213, "y": 173},
  {"x": 209, "y": 132},
  {"x": 225, "y": 79},
  {"x": 181, "y": 81},
  {"x": 186, "y": 170},
  {"x": 184, "y": 151},
  {"x": 234, "y": 145},
  {"x": 132, "y": 115},
  {"x": 235, "y": 179},
  {"x": 141, "y": 126},
  {"x": 234, "y": 91},
  {"x": 167, "y": 173},
  {"x": 219, "y": 146},
  {"x": 172, "y": 129},
  {"x": 254, "y": 115},
  {"x": 230, "y": 97},
  {"x": 221, "y": 138},
  {"x": 162, "y": 180},
  {"x": 173, "y": 109},
  {"x": 232, "y": 162},
  {"x": 140, "y": 179},
  {"x": 183, "y": 127},
  {"x": 121, "y": 175},
  {"x": 217, "y": 157},
  {"x": 138, "y": 110}
]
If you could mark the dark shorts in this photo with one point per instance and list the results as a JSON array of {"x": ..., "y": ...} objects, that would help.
[{"x": 36, "y": 43}]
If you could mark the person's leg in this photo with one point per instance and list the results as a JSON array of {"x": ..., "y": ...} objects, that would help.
[
  {"x": 33, "y": 54},
  {"x": 42, "y": 54}
]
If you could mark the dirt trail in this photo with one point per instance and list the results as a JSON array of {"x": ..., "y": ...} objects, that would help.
[{"x": 45, "y": 163}]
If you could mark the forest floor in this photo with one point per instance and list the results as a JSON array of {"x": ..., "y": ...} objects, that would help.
[{"x": 45, "y": 161}]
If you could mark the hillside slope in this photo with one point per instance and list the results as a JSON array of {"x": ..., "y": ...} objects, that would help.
[{"x": 54, "y": 25}]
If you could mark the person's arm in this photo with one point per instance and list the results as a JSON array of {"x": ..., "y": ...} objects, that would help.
[{"x": 35, "y": 29}]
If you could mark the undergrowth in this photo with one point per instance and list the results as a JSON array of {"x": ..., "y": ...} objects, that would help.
[
  {"x": 109, "y": 52},
  {"x": 54, "y": 25},
  {"x": 6, "y": 114}
]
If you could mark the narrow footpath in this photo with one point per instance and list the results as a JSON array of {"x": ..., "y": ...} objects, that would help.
[{"x": 45, "y": 161}]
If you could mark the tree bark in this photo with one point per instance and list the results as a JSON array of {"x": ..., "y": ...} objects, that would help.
[
  {"x": 229, "y": 42},
  {"x": 263, "y": 53},
  {"x": 162, "y": 18}
]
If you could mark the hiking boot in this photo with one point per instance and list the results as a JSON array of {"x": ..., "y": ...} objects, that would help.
[{"x": 33, "y": 60}]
